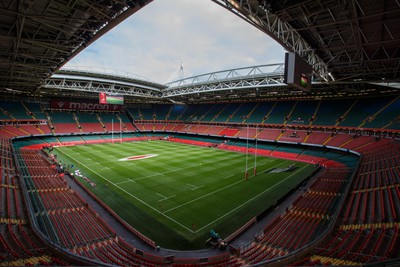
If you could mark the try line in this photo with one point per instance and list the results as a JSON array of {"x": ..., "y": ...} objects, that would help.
[{"x": 130, "y": 194}]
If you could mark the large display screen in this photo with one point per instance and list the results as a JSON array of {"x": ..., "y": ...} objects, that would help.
[
  {"x": 298, "y": 73},
  {"x": 105, "y": 98}
]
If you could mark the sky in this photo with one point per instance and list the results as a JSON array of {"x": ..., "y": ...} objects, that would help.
[{"x": 200, "y": 35}]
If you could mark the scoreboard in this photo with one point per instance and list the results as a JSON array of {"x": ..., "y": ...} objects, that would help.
[
  {"x": 298, "y": 73},
  {"x": 105, "y": 98}
]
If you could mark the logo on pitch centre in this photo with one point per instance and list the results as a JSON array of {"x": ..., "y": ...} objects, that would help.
[{"x": 138, "y": 157}]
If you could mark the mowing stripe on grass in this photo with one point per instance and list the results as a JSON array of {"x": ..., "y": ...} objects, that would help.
[
  {"x": 101, "y": 163},
  {"x": 174, "y": 170},
  {"x": 203, "y": 196},
  {"x": 194, "y": 187},
  {"x": 244, "y": 203},
  {"x": 211, "y": 193},
  {"x": 229, "y": 176},
  {"x": 161, "y": 173},
  {"x": 160, "y": 196},
  {"x": 164, "y": 197},
  {"x": 130, "y": 194},
  {"x": 127, "y": 181}
]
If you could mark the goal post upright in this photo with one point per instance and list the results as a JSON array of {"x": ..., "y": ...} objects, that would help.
[
  {"x": 112, "y": 131},
  {"x": 247, "y": 154},
  {"x": 120, "y": 130},
  {"x": 255, "y": 154}
]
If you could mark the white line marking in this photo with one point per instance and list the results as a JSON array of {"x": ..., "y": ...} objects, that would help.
[
  {"x": 175, "y": 170},
  {"x": 244, "y": 203},
  {"x": 161, "y": 195},
  {"x": 168, "y": 217},
  {"x": 138, "y": 157},
  {"x": 194, "y": 187},
  {"x": 191, "y": 185},
  {"x": 206, "y": 195},
  {"x": 164, "y": 197},
  {"x": 138, "y": 199},
  {"x": 127, "y": 181},
  {"x": 229, "y": 176},
  {"x": 197, "y": 187}
]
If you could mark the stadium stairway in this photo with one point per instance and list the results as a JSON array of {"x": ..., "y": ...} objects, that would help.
[
  {"x": 333, "y": 261},
  {"x": 344, "y": 116},
  {"x": 376, "y": 185}
]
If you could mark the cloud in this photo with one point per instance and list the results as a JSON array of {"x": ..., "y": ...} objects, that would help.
[{"x": 204, "y": 36}]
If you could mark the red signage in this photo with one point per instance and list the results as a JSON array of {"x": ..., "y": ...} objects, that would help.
[
  {"x": 70, "y": 105},
  {"x": 103, "y": 98}
]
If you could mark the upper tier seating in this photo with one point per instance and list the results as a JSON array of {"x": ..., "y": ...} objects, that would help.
[
  {"x": 14, "y": 111},
  {"x": 227, "y": 113},
  {"x": 35, "y": 110},
  {"x": 367, "y": 229},
  {"x": 162, "y": 112},
  {"x": 260, "y": 112},
  {"x": 387, "y": 117},
  {"x": 241, "y": 114},
  {"x": 362, "y": 109},
  {"x": 330, "y": 111},
  {"x": 302, "y": 112},
  {"x": 359, "y": 113}
]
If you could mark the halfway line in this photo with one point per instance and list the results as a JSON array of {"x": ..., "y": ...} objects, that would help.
[{"x": 138, "y": 199}]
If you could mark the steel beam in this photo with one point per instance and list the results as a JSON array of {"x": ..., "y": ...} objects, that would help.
[{"x": 262, "y": 18}]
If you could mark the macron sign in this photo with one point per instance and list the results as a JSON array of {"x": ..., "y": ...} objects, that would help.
[{"x": 55, "y": 104}]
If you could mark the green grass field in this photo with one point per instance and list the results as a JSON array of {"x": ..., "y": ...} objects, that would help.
[{"x": 176, "y": 196}]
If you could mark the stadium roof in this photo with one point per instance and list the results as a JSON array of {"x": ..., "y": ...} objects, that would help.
[
  {"x": 37, "y": 37},
  {"x": 352, "y": 45},
  {"x": 345, "y": 40}
]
